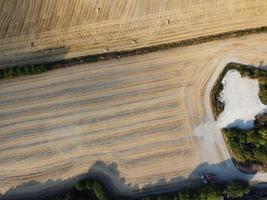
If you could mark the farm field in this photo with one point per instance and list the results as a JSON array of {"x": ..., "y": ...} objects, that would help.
[
  {"x": 139, "y": 112},
  {"x": 47, "y": 30}
]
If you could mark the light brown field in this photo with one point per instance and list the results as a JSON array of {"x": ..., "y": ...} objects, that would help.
[
  {"x": 138, "y": 112},
  {"x": 46, "y": 30}
]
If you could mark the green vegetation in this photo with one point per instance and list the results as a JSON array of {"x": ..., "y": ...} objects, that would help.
[
  {"x": 22, "y": 71},
  {"x": 230, "y": 190},
  {"x": 236, "y": 189},
  {"x": 245, "y": 71},
  {"x": 93, "y": 190},
  {"x": 249, "y": 146},
  {"x": 40, "y": 68},
  {"x": 99, "y": 191},
  {"x": 83, "y": 190}
]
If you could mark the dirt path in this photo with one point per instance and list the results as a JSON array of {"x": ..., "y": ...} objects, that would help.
[
  {"x": 146, "y": 113},
  {"x": 213, "y": 141}
]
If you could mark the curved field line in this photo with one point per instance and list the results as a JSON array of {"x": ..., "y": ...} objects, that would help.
[
  {"x": 139, "y": 112},
  {"x": 30, "y": 30}
]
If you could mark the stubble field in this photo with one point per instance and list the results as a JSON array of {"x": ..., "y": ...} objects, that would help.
[
  {"x": 48, "y": 30},
  {"x": 139, "y": 112}
]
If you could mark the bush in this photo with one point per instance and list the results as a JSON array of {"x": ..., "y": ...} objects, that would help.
[
  {"x": 184, "y": 195},
  {"x": 236, "y": 189},
  {"x": 80, "y": 185},
  {"x": 89, "y": 185},
  {"x": 99, "y": 191},
  {"x": 22, "y": 71},
  {"x": 249, "y": 146},
  {"x": 260, "y": 120},
  {"x": 209, "y": 192},
  {"x": 35, "y": 69}
]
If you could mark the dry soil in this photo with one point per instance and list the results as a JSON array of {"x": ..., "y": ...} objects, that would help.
[{"x": 139, "y": 112}]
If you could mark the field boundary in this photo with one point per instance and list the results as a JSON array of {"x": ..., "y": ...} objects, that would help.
[{"x": 12, "y": 72}]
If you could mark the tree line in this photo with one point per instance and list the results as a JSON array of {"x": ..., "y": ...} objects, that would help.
[
  {"x": 40, "y": 68},
  {"x": 14, "y": 72},
  {"x": 93, "y": 190},
  {"x": 249, "y": 146}
]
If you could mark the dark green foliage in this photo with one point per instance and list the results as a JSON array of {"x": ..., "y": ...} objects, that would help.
[
  {"x": 99, "y": 191},
  {"x": 209, "y": 192},
  {"x": 39, "y": 68},
  {"x": 261, "y": 121},
  {"x": 263, "y": 90},
  {"x": 236, "y": 189},
  {"x": 85, "y": 189},
  {"x": 89, "y": 185},
  {"x": 249, "y": 145},
  {"x": 185, "y": 195},
  {"x": 81, "y": 185},
  {"x": 71, "y": 195},
  {"x": 93, "y": 190},
  {"x": 22, "y": 71},
  {"x": 261, "y": 75}
]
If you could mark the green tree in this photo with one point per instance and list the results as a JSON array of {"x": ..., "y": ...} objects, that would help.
[
  {"x": 236, "y": 189},
  {"x": 209, "y": 192},
  {"x": 263, "y": 133},
  {"x": 185, "y": 195},
  {"x": 162, "y": 197},
  {"x": 80, "y": 185},
  {"x": 89, "y": 185},
  {"x": 99, "y": 191}
]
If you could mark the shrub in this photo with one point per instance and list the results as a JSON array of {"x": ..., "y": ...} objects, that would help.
[
  {"x": 99, "y": 191},
  {"x": 249, "y": 146},
  {"x": 184, "y": 195},
  {"x": 236, "y": 189},
  {"x": 209, "y": 192},
  {"x": 80, "y": 185}
]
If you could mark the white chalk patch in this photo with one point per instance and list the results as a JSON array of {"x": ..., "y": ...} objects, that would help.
[{"x": 241, "y": 99}]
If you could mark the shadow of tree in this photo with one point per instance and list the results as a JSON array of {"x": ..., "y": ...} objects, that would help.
[
  {"x": 262, "y": 66},
  {"x": 34, "y": 57},
  {"x": 241, "y": 124},
  {"x": 108, "y": 174}
]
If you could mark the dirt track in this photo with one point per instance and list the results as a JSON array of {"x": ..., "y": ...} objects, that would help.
[
  {"x": 139, "y": 112},
  {"x": 46, "y": 30}
]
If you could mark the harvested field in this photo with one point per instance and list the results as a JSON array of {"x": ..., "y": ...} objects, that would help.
[
  {"x": 138, "y": 112},
  {"x": 47, "y": 30}
]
